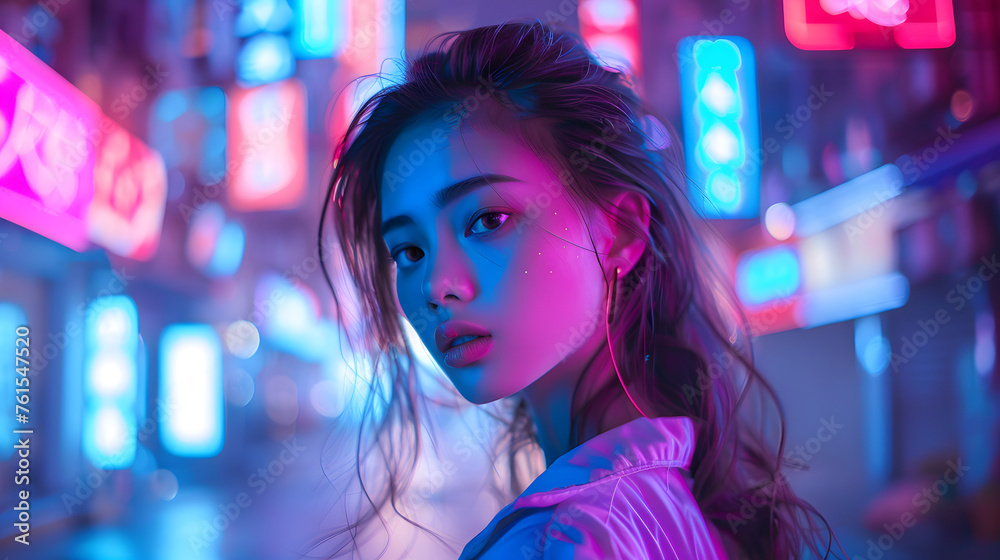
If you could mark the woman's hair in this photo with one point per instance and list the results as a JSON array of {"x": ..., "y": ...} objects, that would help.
[{"x": 679, "y": 337}]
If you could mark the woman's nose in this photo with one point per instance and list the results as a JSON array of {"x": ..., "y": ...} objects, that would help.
[{"x": 449, "y": 277}]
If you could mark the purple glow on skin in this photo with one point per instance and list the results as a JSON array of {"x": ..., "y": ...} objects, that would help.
[{"x": 534, "y": 284}]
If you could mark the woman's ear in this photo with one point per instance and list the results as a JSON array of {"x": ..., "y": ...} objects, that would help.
[{"x": 626, "y": 247}]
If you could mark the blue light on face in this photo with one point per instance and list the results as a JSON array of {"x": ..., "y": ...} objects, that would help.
[
  {"x": 762, "y": 276},
  {"x": 265, "y": 58},
  {"x": 111, "y": 344},
  {"x": 721, "y": 130},
  {"x": 191, "y": 390}
]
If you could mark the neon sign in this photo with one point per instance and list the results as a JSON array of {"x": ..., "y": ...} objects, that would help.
[
  {"x": 267, "y": 150},
  {"x": 721, "y": 130},
  {"x": 846, "y": 24},
  {"x": 69, "y": 172},
  {"x": 46, "y": 161}
]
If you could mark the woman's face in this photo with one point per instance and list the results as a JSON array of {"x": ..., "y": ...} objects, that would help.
[{"x": 512, "y": 257}]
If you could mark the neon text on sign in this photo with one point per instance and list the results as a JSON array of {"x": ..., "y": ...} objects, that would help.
[{"x": 130, "y": 191}]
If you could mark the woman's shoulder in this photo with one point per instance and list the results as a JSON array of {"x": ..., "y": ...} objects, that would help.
[
  {"x": 622, "y": 494},
  {"x": 643, "y": 514}
]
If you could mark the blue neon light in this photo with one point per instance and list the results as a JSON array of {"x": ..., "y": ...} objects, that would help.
[
  {"x": 111, "y": 344},
  {"x": 769, "y": 274},
  {"x": 265, "y": 58},
  {"x": 191, "y": 390},
  {"x": 320, "y": 28},
  {"x": 721, "y": 129}
]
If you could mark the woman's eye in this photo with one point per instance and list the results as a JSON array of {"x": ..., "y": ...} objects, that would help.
[
  {"x": 412, "y": 253},
  {"x": 490, "y": 220}
]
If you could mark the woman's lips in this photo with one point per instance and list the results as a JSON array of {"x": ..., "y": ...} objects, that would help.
[{"x": 468, "y": 352}]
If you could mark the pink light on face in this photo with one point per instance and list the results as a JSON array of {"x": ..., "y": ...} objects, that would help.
[
  {"x": 130, "y": 193},
  {"x": 46, "y": 148}
]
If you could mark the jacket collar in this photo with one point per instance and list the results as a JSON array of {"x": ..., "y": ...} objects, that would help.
[
  {"x": 635, "y": 445},
  {"x": 643, "y": 442}
]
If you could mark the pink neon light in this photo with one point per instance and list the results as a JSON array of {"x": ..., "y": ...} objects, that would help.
[
  {"x": 67, "y": 171},
  {"x": 613, "y": 26},
  {"x": 267, "y": 146},
  {"x": 130, "y": 194},
  {"x": 823, "y": 25},
  {"x": 46, "y": 148}
]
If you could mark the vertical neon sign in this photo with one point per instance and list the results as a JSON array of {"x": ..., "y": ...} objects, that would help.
[
  {"x": 721, "y": 128},
  {"x": 111, "y": 340},
  {"x": 191, "y": 389}
]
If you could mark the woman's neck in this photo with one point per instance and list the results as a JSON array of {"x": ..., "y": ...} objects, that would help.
[{"x": 549, "y": 400}]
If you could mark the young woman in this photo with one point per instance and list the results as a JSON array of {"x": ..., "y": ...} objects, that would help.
[{"x": 516, "y": 201}]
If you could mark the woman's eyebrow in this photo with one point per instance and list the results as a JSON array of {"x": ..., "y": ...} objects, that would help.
[{"x": 447, "y": 195}]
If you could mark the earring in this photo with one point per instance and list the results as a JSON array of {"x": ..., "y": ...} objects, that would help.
[
  {"x": 612, "y": 295},
  {"x": 607, "y": 328}
]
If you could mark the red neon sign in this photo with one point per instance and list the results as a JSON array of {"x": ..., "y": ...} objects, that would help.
[
  {"x": 130, "y": 192},
  {"x": 846, "y": 24},
  {"x": 611, "y": 28},
  {"x": 267, "y": 146}
]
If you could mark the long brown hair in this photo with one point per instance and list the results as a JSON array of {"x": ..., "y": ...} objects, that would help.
[{"x": 679, "y": 336}]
